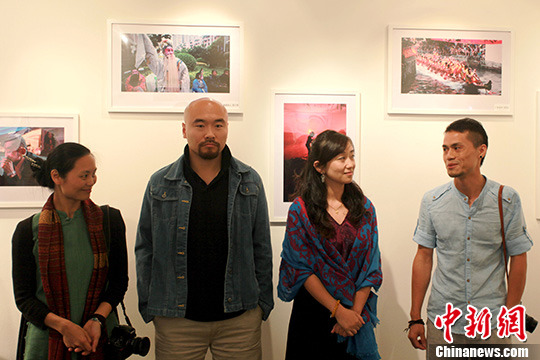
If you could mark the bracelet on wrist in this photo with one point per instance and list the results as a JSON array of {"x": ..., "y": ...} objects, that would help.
[
  {"x": 414, "y": 322},
  {"x": 99, "y": 319},
  {"x": 335, "y": 309}
]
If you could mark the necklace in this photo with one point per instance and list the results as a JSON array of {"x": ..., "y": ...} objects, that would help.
[{"x": 336, "y": 209}]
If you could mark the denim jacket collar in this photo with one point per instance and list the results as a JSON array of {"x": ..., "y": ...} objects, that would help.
[{"x": 176, "y": 171}]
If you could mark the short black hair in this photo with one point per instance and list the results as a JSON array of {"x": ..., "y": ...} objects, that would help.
[{"x": 477, "y": 133}]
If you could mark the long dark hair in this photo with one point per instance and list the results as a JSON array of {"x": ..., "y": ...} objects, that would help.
[
  {"x": 327, "y": 145},
  {"x": 62, "y": 158}
]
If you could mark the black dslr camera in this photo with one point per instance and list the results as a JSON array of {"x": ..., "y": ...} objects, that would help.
[{"x": 124, "y": 342}]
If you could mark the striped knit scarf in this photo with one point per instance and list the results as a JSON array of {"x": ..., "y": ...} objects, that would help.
[{"x": 53, "y": 270}]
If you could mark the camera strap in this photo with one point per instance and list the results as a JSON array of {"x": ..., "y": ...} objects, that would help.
[
  {"x": 106, "y": 226},
  {"x": 107, "y": 231}
]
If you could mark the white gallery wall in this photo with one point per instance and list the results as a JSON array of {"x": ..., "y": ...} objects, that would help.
[{"x": 53, "y": 59}]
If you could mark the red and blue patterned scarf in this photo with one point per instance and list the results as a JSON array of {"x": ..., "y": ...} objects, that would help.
[
  {"x": 53, "y": 270},
  {"x": 306, "y": 253}
]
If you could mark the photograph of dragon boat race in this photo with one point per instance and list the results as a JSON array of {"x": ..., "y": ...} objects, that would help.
[{"x": 451, "y": 66}]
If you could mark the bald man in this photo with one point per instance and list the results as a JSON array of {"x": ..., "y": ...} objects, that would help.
[{"x": 204, "y": 258}]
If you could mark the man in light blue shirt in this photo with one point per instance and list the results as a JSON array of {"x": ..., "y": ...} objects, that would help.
[{"x": 461, "y": 220}]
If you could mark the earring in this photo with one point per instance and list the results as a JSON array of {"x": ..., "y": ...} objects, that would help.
[{"x": 323, "y": 178}]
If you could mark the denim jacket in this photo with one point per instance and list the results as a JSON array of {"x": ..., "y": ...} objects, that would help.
[{"x": 161, "y": 245}]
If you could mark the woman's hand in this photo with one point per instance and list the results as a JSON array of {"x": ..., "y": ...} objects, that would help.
[
  {"x": 348, "y": 320},
  {"x": 337, "y": 329},
  {"x": 93, "y": 329},
  {"x": 76, "y": 338}
]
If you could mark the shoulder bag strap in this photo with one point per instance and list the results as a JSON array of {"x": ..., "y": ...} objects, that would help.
[{"x": 502, "y": 231}]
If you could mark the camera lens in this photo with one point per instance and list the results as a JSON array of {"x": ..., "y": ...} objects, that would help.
[{"x": 141, "y": 346}]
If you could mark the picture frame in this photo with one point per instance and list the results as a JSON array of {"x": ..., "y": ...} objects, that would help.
[
  {"x": 450, "y": 71},
  {"x": 40, "y": 133},
  {"x": 141, "y": 74},
  {"x": 537, "y": 155},
  {"x": 297, "y": 115}
]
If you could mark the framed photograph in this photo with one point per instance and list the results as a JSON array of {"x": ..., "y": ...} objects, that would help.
[
  {"x": 298, "y": 118},
  {"x": 23, "y": 138},
  {"x": 438, "y": 71},
  {"x": 163, "y": 67}
]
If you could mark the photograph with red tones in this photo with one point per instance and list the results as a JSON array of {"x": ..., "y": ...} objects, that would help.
[
  {"x": 25, "y": 140},
  {"x": 445, "y": 71},
  {"x": 19, "y": 146},
  {"x": 451, "y": 66},
  {"x": 301, "y": 124},
  {"x": 298, "y": 119}
]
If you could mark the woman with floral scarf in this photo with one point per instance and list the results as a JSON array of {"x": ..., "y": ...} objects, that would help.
[{"x": 330, "y": 259}]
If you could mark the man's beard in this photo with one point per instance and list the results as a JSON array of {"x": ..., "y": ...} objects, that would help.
[
  {"x": 208, "y": 153},
  {"x": 454, "y": 174}
]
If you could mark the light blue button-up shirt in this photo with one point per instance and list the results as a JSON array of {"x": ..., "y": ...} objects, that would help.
[{"x": 468, "y": 242}]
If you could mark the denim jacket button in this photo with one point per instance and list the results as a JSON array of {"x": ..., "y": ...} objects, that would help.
[{"x": 229, "y": 299}]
